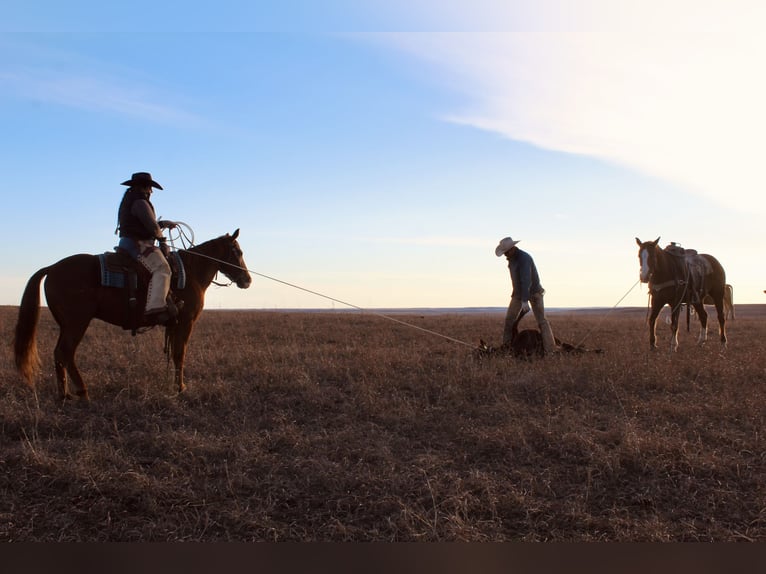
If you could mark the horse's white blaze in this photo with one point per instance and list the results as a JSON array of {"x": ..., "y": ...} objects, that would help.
[{"x": 644, "y": 266}]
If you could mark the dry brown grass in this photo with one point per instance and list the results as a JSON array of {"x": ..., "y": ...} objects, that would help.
[{"x": 348, "y": 427}]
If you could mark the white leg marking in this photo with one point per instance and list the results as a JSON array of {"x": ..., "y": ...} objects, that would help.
[
  {"x": 674, "y": 342},
  {"x": 702, "y": 339}
]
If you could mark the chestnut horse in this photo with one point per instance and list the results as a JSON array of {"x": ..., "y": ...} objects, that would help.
[
  {"x": 75, "y": 296},
  {"x": 679, "y": 276}
]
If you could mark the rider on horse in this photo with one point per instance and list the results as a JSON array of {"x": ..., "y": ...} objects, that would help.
[{"x": 139, "y": 229}]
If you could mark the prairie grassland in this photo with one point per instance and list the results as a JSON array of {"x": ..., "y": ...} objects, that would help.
[{"x": 349, "y": 427}]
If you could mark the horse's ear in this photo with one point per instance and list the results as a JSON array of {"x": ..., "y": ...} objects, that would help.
[
  {"x": 638, "y": 241},
  {"x": 235, "y": 234},
  {"x": 656, "y": 241}
]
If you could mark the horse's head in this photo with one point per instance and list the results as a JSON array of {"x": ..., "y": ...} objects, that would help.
[
  {"x": 232, "y": 263},
  {"x": 647, "y": 254}
]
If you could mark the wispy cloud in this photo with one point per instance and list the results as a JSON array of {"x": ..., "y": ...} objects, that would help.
[
  {"x": 91, "y": 93},
  {"x": 680, "y": 102}
]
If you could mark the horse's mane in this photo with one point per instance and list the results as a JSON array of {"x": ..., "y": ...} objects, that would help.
[
  {"x": 205, "y": 244},
  {"x": 669, "y": 264}
]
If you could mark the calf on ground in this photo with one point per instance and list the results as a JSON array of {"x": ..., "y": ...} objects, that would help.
[{"x": 527, "y": 344}]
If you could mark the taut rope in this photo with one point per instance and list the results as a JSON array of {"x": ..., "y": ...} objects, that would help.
[
  {"x": 186, "y": 241},
  {"x": 589, "y": 333},
  {"x": 357, "y": 307}
]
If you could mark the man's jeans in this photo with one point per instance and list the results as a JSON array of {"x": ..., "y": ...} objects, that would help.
[{"x": 538, "y": 309}]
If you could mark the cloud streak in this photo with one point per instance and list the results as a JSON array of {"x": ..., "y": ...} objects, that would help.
[
  {"x": 91, "y": 94},
  {"x": 681, "y": 103}
]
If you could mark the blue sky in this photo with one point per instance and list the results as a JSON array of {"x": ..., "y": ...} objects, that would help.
[{"x": 377, "y": 151}]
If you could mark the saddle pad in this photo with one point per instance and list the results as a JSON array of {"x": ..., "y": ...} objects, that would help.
[{"x": 114, "y": 272}]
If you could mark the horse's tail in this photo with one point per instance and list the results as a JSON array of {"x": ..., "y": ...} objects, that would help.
[{"x": 24, "y": 340}]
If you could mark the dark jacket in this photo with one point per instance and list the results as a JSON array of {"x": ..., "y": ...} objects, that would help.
[
  {"x": 524, "y": 276},
  {"x": 136, "y": 216}
]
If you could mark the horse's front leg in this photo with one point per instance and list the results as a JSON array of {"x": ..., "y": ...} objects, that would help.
[
  {"x": 653, "y": 327},
  {"x": 180, "y": 341},
  {"x": 179, "y": 353},
  {"x": 674, "y": 328},
  {"x": 702, "y": 314},
  {"x": 179, "y": 378}
]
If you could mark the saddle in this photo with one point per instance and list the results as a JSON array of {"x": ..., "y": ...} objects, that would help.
[
  {"x": 696, "y": 268},
  {"x": 120, "y": 271}
]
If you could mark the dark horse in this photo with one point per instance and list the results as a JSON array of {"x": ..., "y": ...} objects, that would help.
[
  {"x": 75, "y": 297},
  {"x": 678, "y": 276}
]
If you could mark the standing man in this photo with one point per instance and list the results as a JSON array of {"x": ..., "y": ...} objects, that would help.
[
  {"x": 526, "y": 291},
  {"x": 139, "y": 229}
]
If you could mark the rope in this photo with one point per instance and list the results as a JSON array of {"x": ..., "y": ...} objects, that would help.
[
  {"x": 183, "y": 233},
  {"x": 184, "y": 238},
  {"x": 369, "y": 311},
  {"x": 603, "y": 318}
]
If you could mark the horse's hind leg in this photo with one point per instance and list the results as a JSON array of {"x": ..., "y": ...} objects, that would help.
[
  {"x": 719, "y": 308},
  {"x": 63, "y": 355},
  {"x": 61, "y": 374},
  {"x": 702, "y": 315}
]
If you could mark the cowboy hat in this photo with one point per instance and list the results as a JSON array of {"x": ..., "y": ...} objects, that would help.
[
  {"x": 142, "y": 178},
  {"x": 505, "y": 244}
]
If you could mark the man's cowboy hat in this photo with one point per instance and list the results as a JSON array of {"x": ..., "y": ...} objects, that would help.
[
  {"x": 142, "y": 178},
  {"x": 505, "y": 244}
]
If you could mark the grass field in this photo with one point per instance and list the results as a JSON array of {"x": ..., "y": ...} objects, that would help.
[{"x": 349, "y": 427}]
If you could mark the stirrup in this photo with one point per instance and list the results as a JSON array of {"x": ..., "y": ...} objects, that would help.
[
  {"x": 174, "y": 307},
  {"x": 157, "y": 317}
]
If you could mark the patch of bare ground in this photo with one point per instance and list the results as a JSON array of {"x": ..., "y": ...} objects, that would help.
[{"x": 349, "y": 427}]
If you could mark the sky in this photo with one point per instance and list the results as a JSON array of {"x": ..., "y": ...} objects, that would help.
[{"x": 376, "y": 151}]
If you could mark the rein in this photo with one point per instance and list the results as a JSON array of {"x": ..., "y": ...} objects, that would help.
[
  {"x": 198, "y": 254},
  {"x": 185, "y": 235}
]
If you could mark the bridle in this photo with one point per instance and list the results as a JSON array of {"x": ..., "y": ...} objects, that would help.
[{"x": 236, "y": 252}]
